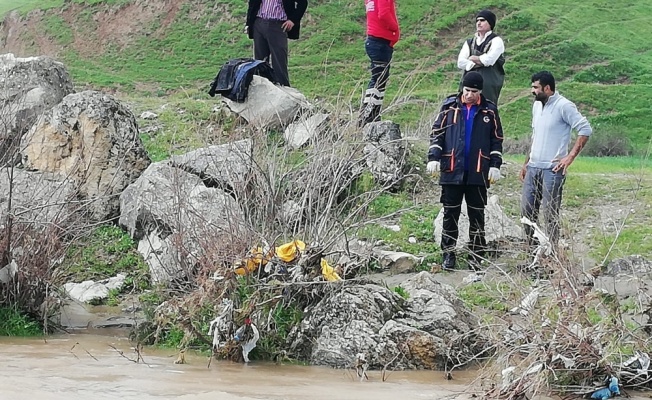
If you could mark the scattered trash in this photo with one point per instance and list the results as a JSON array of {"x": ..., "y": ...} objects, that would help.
[
  {"x": 294, "y": 260},
  {"x": 610, "y": 391},
  {"x": 543, "y": 249},
  {"x": 222, "y": 326},
  {"x": 474, "y": 277},
  {"x": 258, "y": 257},
  {"x": 289, "y": 251},
  {"x": 247, "y": 335},
  {"x": 568, "y": 362},
  {"x": 635, "y": 371},
  {"x": 328, "y": 272},
  {"x": 527, "y": 303}
]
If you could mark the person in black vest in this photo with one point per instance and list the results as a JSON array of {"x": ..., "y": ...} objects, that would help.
[
  {"x": 270, "y": 23},
  {"x": 466, "y": 146},
  {"x": 484, "y": 53}
]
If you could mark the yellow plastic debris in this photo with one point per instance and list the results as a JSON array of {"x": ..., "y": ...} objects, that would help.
[
  {"x": 328, "y": 272},
  {"x": 255, "y": 259},
  {"x": 288, "y": 252}
]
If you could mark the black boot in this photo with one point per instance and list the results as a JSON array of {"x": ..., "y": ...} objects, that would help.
[
  {"x": 449, "y": 261},
  {"x": 369, "y": 113}
]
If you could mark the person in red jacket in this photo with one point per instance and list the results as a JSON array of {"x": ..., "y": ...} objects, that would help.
[{"x": 382, "y": 34}]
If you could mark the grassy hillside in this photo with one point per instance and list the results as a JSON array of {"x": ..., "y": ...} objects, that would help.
[{"x": 597, "y": 49}]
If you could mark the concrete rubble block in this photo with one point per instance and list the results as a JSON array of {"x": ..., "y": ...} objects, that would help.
[
  {"x": 301, "y": 132},
  {"x": 269, "y": 106}
]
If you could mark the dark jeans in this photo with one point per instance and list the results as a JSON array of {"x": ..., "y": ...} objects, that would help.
[
  {"x": 271, "y": 45},
  {"x": 542, "y": 187},
  {"x": 380, "y": 54},
  {"x": 476, "y": 199}
]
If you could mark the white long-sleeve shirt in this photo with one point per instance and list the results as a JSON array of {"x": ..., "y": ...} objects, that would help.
[
  {"x": 551, "y": 130},
  {"x": 496, "y": 48}
]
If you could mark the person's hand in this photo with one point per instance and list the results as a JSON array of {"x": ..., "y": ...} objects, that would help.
[
  {"x": 563, "y": 164},
  {"x": 521, "y": 174},
  {"x": 494, "y": 175},
  {"x": 246, "y": 29},
  {"x": 432, "y": 167},
  {"x": 287, "y": 26},
  {"x": 476, "y": 60}
]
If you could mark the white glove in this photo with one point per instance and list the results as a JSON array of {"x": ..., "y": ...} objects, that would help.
[
  {"x": 494, "y": 175},
  {"x": 432, "y": 167}
]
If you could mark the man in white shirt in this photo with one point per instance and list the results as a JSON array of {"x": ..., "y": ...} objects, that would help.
[
  {"x": 484, "y": 53},
  {"x": 544, "y": 171}
]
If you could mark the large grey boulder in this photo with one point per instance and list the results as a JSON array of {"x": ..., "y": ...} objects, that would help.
[
  {"x": 37, "y": 197},
  {"x": 28, "y": 87},
  {"x": 268, "y": 105},
  {"x": 429, "y": 330},
  {"x": 498, "y": 225},
  {"x": 226, "y": 165},
  {"x": 385, "y": 151},
  {"x": 92, "y": 140},
  {"x": 169, "y": 199},
  {"x": 177, "y": 217}
]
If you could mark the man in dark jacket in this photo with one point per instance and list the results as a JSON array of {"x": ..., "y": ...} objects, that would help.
[
  {"x": 270, "y": 23},
  {"x": 466, "y": 147}
]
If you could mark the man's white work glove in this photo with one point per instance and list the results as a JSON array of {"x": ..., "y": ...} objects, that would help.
[
  {"x": 494, "y": 175},
  {"x": 432, "y": 167}
]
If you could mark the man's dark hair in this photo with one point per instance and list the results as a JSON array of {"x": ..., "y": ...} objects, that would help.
[{"x": 544, "y": 78}]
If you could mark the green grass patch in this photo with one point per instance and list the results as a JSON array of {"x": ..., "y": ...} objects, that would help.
[
  {"x": 186, "y": 53},
  {"x": 486, "y": 296},
  {"x": 401, "y": 292},
  {"x": 15, "y": 323},
  {"x": 107, "y": 251}
]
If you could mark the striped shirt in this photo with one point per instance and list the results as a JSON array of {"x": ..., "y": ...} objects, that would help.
[{"x": 272, "y": 9}]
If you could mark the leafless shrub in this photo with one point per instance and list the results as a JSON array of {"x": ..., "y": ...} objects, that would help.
[
  {"x": 557, "y": 335},
  {"x": 608, "y": 144}
]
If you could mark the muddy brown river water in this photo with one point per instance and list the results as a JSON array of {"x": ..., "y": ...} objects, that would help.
[{"x": 84, "y": 366}]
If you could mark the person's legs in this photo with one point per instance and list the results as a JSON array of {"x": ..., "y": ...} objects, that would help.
[
  {"x": 476, "y": 199},
  {"x": 531, "y": 201},
  {"x": 380, "y": 55},
  {"x": 261, "y": 47},
  {"x": 451, "y": 199},
  {"x": 278, "y": 46},
  {"x": 553, "y": 184}
]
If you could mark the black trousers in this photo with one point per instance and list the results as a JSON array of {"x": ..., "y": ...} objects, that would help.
[
  {"x": 271, "y": 45},
  {"x": 476, "y": 199}
]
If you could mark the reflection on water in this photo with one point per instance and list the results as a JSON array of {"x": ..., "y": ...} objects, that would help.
[{"x": 85, "y": 367}]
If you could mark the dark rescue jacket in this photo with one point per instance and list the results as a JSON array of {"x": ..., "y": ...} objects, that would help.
[
  {"x": 447, "y": 142},
  {"x": 234, "y": 78}
]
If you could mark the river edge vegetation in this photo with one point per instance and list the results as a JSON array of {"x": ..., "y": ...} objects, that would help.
[{"x": 167, "y": 72}]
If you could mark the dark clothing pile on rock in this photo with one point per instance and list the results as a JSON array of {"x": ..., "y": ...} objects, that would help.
[{"x": 234, "y": 78}]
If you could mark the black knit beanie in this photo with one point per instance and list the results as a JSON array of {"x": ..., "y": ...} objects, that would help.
[
  {"x": 473, "y": 80},
  {"x": 489, "y": 16}
]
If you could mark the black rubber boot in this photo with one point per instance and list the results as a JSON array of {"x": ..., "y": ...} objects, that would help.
[
  {"x": 449, "y": 261},
  {"x": 369, "y": 113}
]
